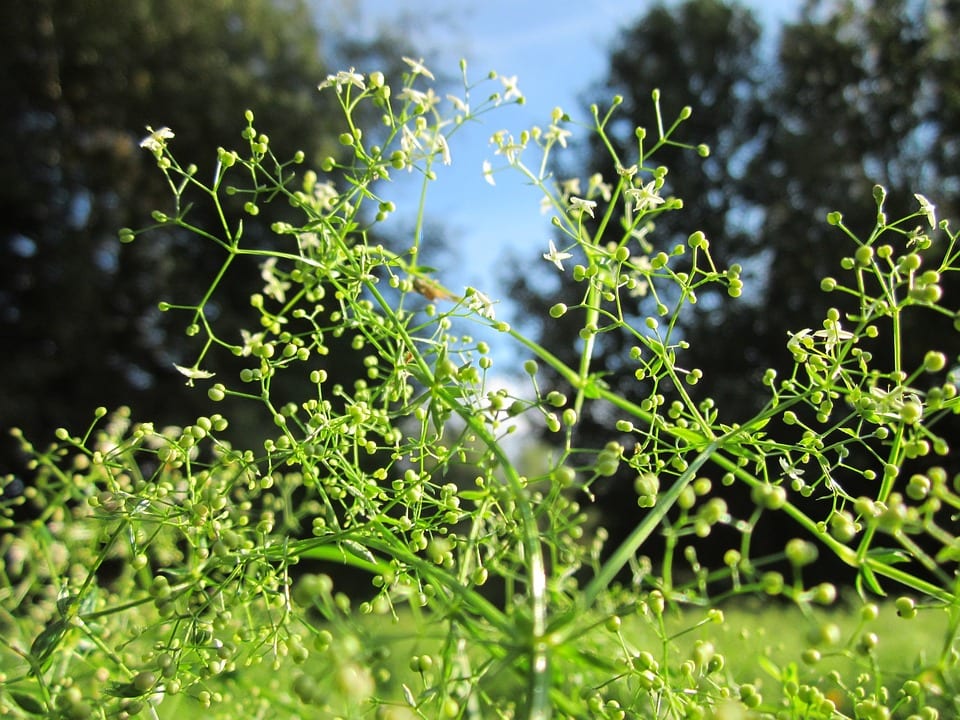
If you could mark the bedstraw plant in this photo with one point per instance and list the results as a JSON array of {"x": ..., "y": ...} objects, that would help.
[{"x": 154, "y": 571}]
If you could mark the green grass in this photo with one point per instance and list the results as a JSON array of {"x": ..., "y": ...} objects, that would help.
[{"x": 755, "y": 641}]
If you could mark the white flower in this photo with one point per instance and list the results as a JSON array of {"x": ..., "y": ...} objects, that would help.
[
  {"x": 308, "y": 241},
  {"x": 156, "y": 141},
  {"x": 644, "y": 197},
  {"x": 832, "y": 335},
  {"x": 570, "y": 187},
  {"x": 488, "y": 172},
  {"x": 555, "y": 133},
  {"x": 640, "y": 233},
  {"x": 409, "y": 140},
  {"x": 510, "y": 88},
  {"x": 248, "y": 342},
  {"x": 423, "y": 100},
  {"x": 581, "y": 206},
  {"x": 344, "y": 77},
  {"x": 928, "y": 209},
  {"x": 441, "y": 146},
  {"x": 326, "y": 195},
  {"x": 556, "y": 257},
  {"x": 790, "y": 470},
  {"x": 193, "y": 373},
  {"x": 596, "y": 184},
  {"x": 273, "y": 287},
  {"x": 480, "y": 304},
  {"x": 418, "y": 67},
  {"x": 460, "y": 105},
  {"x": 417, "y": 97},
  {"x": 507, "y": 146}
]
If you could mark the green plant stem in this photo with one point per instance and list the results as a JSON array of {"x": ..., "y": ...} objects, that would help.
[
  {"x": 586, "y": 354},
  {"x": 628, "y": 548},
  {"x": 693, "y": 439},
  {"x": 910, "y": 581},
  {"x": 539, "y": 704},
  {"x": 330, "y": 551},
  {"x": 853, "y": 558}
]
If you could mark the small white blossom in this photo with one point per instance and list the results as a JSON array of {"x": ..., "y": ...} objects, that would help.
[
  {"x": 344, "y": 77},
  {"x": 639, "y": 288},
  {"x": 273, "y": 287},
  {"x": 832, "y": 336},
  {"x": 308, "y": 241},
  {"x": 597, "y": 185},
  {"x": 459, "y": 104},
  {"x": 488, "y": 173},
  {"x": 556, "y": 257},
  {"x": 507, "y": 146},
  {"x": 418, "y": 67},
  {"x": 640, "y": 233},
  {"x": 248, "y": 342},
  {"x": 570, "y": 187},
  {"x": 557, "y": 134},
  {"x": 510, "y": 88},
  {"x": 480, "y": 304},
  {"x": 156, "y": 141},
  {"x": 626, "y": 172},
  {"x": 193, "y": 373},
  {"x": 644, "y": 197},
  {"x": 417, "y": 97},
  {"x": 409, "y": 140},
  {"x": 425, "y": 100},
  {"x": 441, "y": 146},
  {"x": 790, "y": 470},
  {"x": 581, "y": 206},
  {"x": 326, "y": 194},
  {"x": 928, "y": 209}
]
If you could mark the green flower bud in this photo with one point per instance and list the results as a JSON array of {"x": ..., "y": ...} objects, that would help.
[
  {"x": 906, "y": 607},
  {"x": 934, "y": 361},
  {"x": 911, "y": 412},
  {"x": 800, "y": 552}
]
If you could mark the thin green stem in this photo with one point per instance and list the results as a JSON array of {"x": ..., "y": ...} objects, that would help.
[
  {"x": 628, "y": 548},
  {"x": 539, "y": 704}
]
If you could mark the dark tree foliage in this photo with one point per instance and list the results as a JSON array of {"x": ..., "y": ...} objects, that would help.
[
  {"x": 81, "y": 80},
  {"x": 855, "y": 94}
]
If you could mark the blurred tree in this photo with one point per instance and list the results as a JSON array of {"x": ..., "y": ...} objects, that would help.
[
  {"x": 81, "y": 79},
  {"x": 856, "y": 94}
]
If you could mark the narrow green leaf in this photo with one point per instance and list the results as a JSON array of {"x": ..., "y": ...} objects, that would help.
[
  {"x": 359, "y": 550},
  {"x": 124, "y": 690},
  {"x": 888, "y": 556},
  {"x": 28, "y": 703},
  {"x": 768, "y": 665},
  {"x": 871, "y": 580},
  {"x": 46, "y": 642}
]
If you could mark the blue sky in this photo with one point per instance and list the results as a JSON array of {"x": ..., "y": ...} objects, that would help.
[{"x": 557, "y": 50}]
